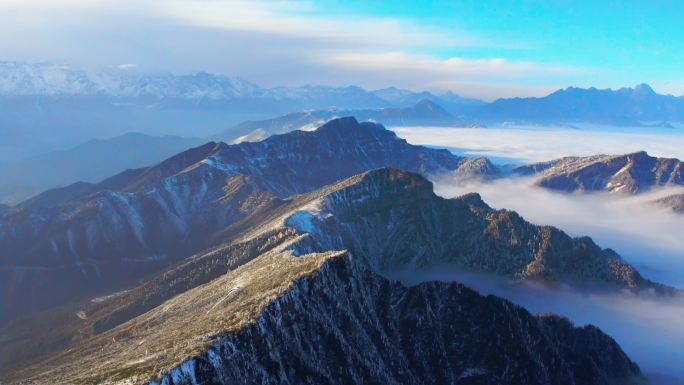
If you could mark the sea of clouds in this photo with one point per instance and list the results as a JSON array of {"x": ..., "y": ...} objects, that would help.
[
  {"x": 526, "y": 144},
  {"x": 648, "y": 236}
]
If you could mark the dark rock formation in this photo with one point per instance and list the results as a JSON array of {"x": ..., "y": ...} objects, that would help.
[{"x": 347, "y": 326}]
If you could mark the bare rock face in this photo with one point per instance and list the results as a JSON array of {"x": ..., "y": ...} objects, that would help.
[
  {"x": 631, "y": 173},
  {"x": 347, "y": 325}
]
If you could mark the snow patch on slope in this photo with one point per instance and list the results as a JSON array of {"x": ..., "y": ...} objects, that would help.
[{"x": 305, "y": 219}]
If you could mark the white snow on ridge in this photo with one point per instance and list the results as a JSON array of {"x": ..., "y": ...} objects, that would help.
[{"x": 306, "y": 217}]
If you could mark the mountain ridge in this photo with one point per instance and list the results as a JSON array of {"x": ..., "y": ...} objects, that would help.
[
  {"x": 356, "y": 216},
  {"x": 149, "y": 217},
  {"x": 91, "y": 162},
  {"x": 629, "y": 173},
  {"x": 624, "y": 106}
]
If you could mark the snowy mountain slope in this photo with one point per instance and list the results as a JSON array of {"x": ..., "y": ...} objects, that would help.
[
  {"x": 90, "y": 162},
  {"x": 107, "y": 235}
]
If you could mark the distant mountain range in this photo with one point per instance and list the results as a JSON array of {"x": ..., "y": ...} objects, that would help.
[
  {"x": 91, "y": 162},
  {"x": 626, "y": 106},
  {"x": 423, "y": 113},
  {"x": 37, "y": 101},
  {"x": 630, "y": 173}
]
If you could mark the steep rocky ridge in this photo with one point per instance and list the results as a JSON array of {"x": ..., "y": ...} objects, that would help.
[
  {"x": 84, "y": 239},
  {"x": 285, "y": 319},
  {"x": 393, "y": 220},
  {"x": 430, "y": 334},
  {"x": 631, "y": 173},
  {"x": 386, "y": 220}
]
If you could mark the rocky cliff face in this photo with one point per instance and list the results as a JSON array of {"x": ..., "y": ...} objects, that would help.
[
  {"x": 86, "y": 239},
  {"x": 631, "y": 173},
  {"x": 280, "y": 319},
  {"x": 345, "y": 325}
]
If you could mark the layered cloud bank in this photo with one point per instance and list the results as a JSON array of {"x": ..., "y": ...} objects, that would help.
[{"x": 518, "y": 144}]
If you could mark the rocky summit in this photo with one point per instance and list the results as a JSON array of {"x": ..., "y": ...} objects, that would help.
[{"x": 631, "y": 173}]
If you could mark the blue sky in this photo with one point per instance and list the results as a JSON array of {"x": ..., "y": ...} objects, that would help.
[
  {"x": 477, "y": 48},
  {"x": 627, "y": 41}
]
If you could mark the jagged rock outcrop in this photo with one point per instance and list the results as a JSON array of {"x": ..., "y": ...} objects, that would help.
[
  {"x": 630, "y": 173},
  {"x": 280, "y": 319},
  {"x": 434, "y": 333},
  {"x": 86, "y": 239}
]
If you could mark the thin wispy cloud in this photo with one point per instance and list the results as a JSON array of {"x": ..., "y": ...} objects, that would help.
[{"x": 272, "y": 43}]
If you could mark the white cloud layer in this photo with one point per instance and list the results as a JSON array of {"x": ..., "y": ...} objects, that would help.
[
  {"x": 273, "y": 43},
  {"x": 535, "y": 144}
]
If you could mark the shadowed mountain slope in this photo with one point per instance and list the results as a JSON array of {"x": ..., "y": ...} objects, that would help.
[
  {"x": 86, "y": 239},
  {"x": 674, "y": 202}
]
